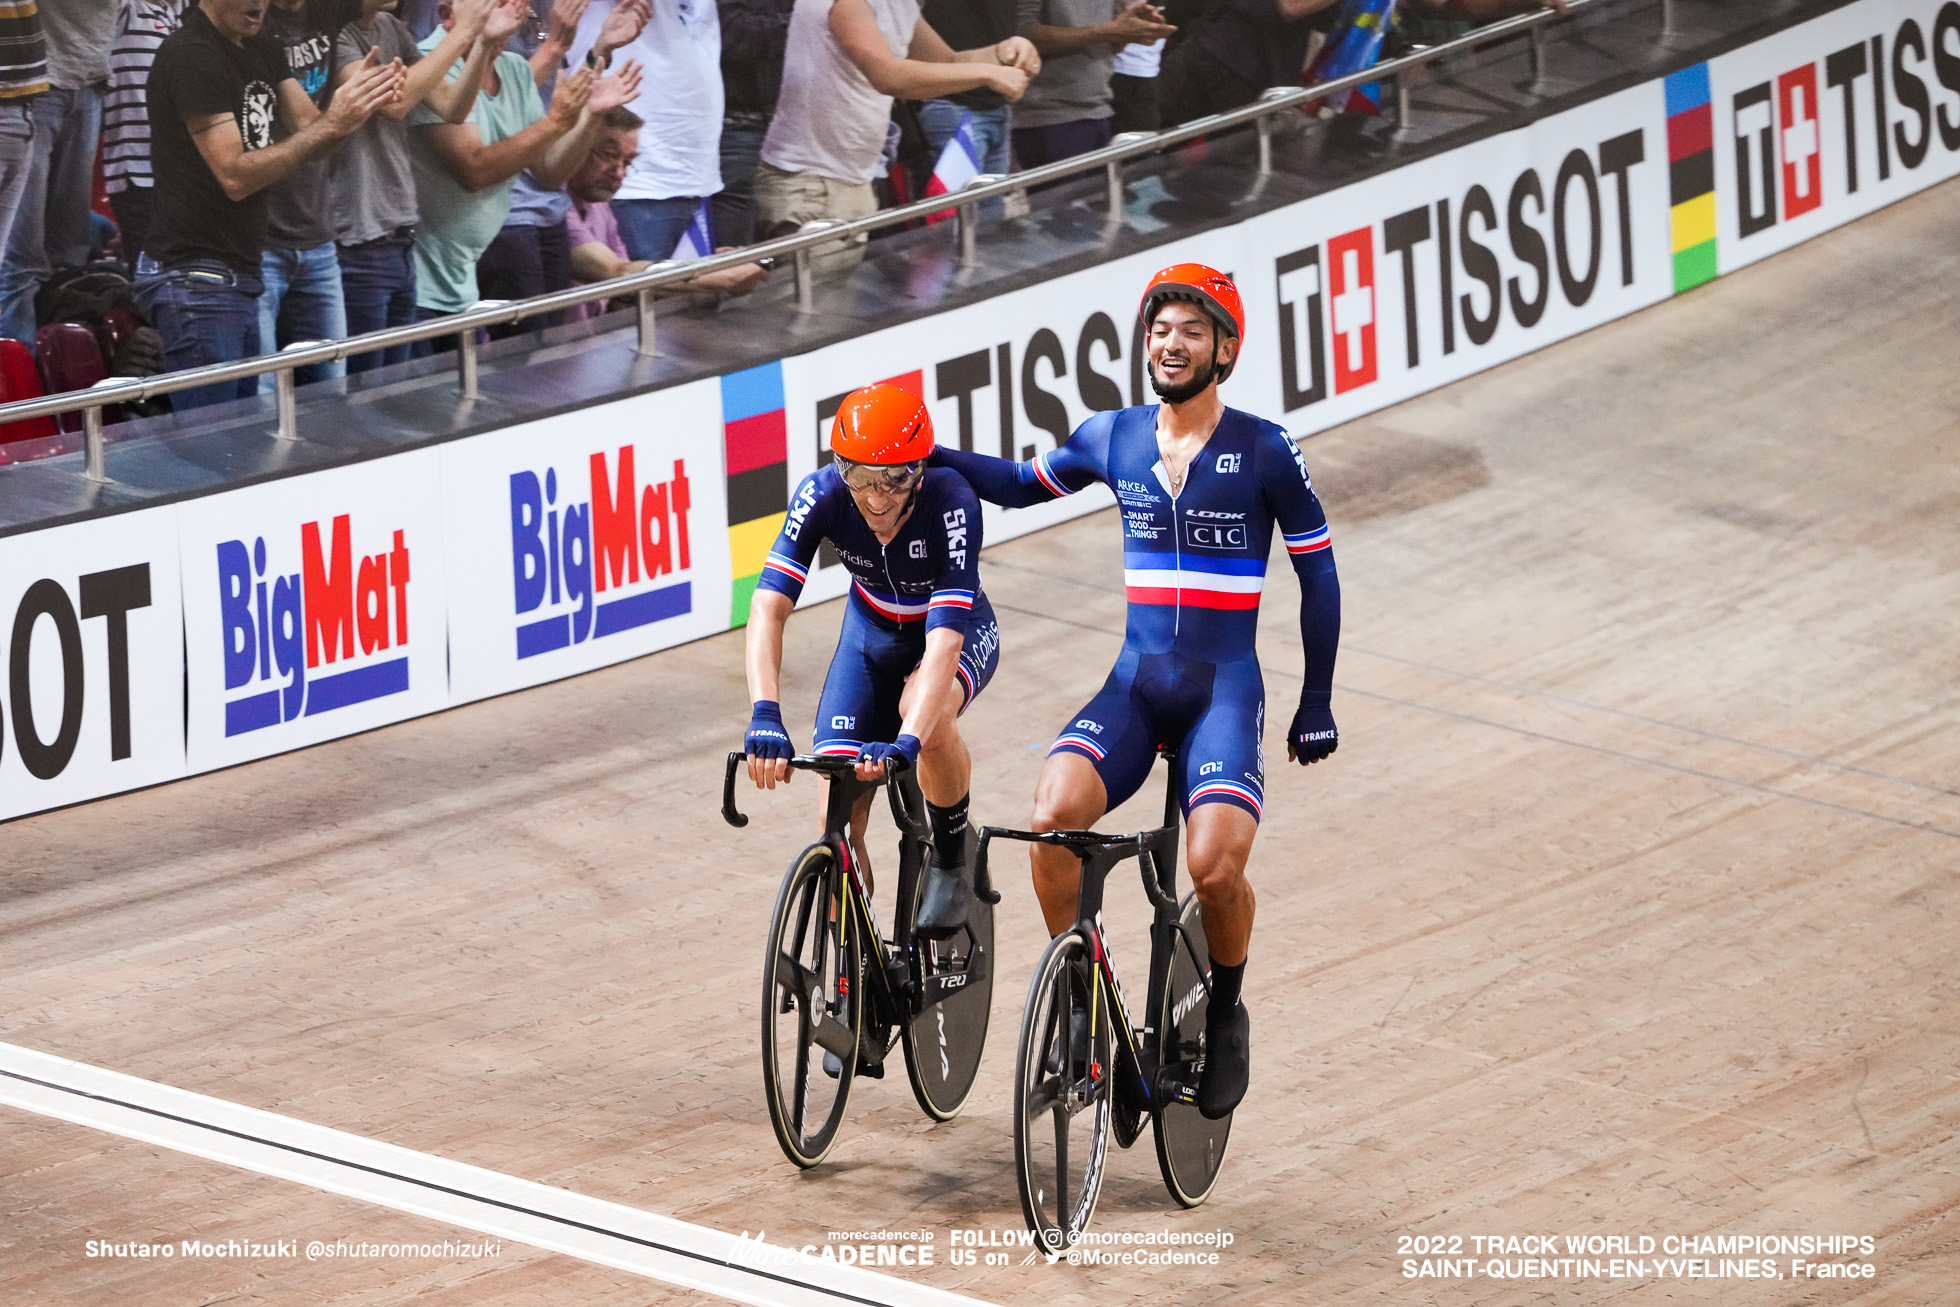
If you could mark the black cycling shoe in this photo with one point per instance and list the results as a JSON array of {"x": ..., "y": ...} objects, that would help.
[
  {"x": 1228, "y": 1064},
  {"x": 943, "y": 910},
  {"x": 833, "y": 1065}
]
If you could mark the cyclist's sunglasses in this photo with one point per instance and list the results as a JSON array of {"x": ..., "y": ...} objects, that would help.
[{"x": 892, "y": 478}]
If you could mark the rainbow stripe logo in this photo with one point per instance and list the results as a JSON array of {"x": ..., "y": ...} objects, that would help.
[
  {"x": 755, "y": 434},
  {"x": 1691, "y": 176}
]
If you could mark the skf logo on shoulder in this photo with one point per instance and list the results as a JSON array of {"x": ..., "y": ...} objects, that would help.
[
  {"x": 111, "y": 596},
  {"x": 620, "y": 536},
  {"x": 1889, "y": 111},
  {"x": 1565, "y": 229},
  {"x": 339, "y": 610}
]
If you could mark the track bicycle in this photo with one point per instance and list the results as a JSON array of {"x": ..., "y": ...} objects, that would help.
[
  {"x": 1084, "y": 1069},
  {"x": 831, "y": 985}
]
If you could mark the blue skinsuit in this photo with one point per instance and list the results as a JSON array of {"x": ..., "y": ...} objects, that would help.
[
  {"x": 1194, "y": 565},
  {"x": 927, "y": 577}
]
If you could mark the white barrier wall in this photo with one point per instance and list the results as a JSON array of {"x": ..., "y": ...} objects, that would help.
[{"x": 157, "y": 644}]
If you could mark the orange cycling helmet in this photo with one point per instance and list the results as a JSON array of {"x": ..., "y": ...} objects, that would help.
[
  {"x": 882, "y": 425},
  {"x": 1208, "y": 288}
]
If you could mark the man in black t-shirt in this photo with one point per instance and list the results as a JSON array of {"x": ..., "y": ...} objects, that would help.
[
  {"x": 974, "y": 25},
  {"x": 220, "y": 96}
]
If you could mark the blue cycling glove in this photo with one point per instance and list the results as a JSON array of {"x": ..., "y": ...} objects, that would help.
[
  {"x": 766, "y": 737},
  {"x": 1313, "y": 735},
  {"x": 905, "y": 746}
]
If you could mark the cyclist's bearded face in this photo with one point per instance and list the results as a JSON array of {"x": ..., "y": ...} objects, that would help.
[{"x": 1183, "y": 348}]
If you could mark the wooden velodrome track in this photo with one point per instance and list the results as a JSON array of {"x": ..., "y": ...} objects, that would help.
[{"x": 1627, "y": 907}]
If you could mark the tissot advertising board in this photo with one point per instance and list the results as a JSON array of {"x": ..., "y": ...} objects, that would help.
[{"x": 92, "y": 655}]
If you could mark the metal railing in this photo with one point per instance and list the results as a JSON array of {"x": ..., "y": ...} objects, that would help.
[{"x": 1261, "y": 115}]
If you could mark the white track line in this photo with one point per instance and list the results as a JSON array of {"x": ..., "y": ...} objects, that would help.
[{"x": 610, "y": 1234}]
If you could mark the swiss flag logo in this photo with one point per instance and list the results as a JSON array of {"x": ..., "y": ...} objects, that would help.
[
  {"x": 1351, "y": 276},
  {"x": 1799, "y": 142}
]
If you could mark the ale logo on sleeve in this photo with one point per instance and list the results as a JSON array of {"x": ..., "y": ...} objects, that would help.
[
  {"x": 597, "y": 532},
  {"x": 310, "y": 623}
]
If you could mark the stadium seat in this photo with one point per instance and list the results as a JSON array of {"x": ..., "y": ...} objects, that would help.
[
  {"x": 20, "y": 380},
  {"x": 116, "y": 326},
  {"x": 71, "y": 359}
]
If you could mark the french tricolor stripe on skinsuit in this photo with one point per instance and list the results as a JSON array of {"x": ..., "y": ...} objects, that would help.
[
  {"x": 1082, "y": 742},
  {"x": 1307, "y": 542},
  {"x": 1048, "y": 478},
  {"x": 891, "y": 606},
  {"x": 789, "y": 567},
  {"x": 1223, "y": 789},
  {"x": 951, "y": 599},
  {"x": 1193, "y": 589},
  {"x": 966, "y": 681},
  {"x": 838, "y": 748}
]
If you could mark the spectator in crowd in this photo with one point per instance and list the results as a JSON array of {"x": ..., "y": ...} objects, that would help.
[
  {"x": 217, "y": 90},
  {"x": 23, "y": 76},
  {"x": 1236, "y": 49},
  {"x": 598, "y": 250},
  {"x": 51, "y": 228},
  {"x": 846, "y": 60},
  {"x": 679, "y": 163},
  {"x": 1067, "y": 110},
  {"x": 753, "y": 34},
  {"x": 531, "y": 254},
  {"x": 302, "y": 298},
  {"x": 464, "y": 172},
  {"x": 141, "y": 26},
  {"x": 1133, "y": 102},
  {"x": 372, "y": 187},
  {"x": 974, "y": 25}
]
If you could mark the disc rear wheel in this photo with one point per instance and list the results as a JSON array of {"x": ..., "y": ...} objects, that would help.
[
  {"x": 811, "y": 1005},
  {"x": 1190, "y": 1149},
  {"x": 943, "y": 1043},
  {"x": 1062, "y": 1093}
]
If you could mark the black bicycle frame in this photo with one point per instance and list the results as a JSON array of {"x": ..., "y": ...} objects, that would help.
[
  {"x": 897, "y": 980},
  {"x": 1156, "y": 854}
]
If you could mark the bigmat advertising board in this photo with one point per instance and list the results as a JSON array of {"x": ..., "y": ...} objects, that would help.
[
  {"x": 584, "y": 540},
  {"x": 346, "y": 599},
  {"x": 91, "y": 649},
  {"x": 313, "y": 608}
]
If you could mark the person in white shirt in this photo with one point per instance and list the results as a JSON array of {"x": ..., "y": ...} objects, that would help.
[
  {"x": 845, "y": 63},
  {"x": 679, "y": 161}
]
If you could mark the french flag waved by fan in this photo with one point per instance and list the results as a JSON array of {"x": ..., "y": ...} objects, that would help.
[
  {"x": 1355, "y": 45},
  {"x": 698, "y": 241},
  {"x": 959, "y": 163}
]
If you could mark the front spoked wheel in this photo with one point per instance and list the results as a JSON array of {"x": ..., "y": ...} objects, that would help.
[
  {"x": 943, "y": 1043},
  {"x": 1062, "y": 1092},
  {"x": 1190, "y": 1149},
  {"x": 811, "y": 1005}
]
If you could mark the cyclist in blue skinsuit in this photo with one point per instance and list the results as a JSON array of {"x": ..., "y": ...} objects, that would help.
[
  {"x": 1201, "y": 489},
  {"x": 919, "y": 641}
]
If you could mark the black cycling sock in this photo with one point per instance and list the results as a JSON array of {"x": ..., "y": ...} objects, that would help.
[
  {"x": 948, "y": 829},
  {"x": 1226, "y": 982}
]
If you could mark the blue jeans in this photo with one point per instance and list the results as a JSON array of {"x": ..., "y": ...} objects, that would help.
[
  {"x": 652, "y": 228},
  {"x": 941, "y": 118},
  {"x": 1052, "y": 144},
  {"x": 51, "y": 227},
  {"x": 207, "y": 312},
  {"x": 731, "y": 210},
  {"x": 377, "y": 282},
  {"x": 302, "y": 301}
]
